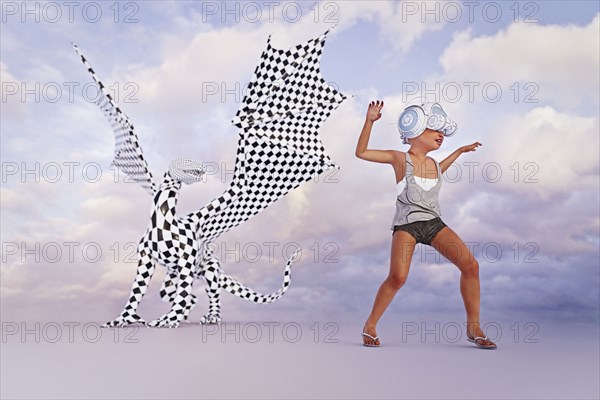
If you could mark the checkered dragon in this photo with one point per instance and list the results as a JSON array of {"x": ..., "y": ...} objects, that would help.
[{"x": 279, "y": 148}]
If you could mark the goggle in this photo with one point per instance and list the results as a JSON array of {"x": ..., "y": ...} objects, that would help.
[{"x": 416, "y": 118}]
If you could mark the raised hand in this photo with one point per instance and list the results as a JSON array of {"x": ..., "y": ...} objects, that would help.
[
  {"x": 470, "y": 147},
  {"x": 374, "y": 110}
]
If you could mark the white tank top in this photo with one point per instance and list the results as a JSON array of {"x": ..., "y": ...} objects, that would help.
[
  {"x": 418, "y": 199},
  {"x": 425, "y": 183}
]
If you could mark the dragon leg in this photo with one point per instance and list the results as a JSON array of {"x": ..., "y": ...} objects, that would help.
[
  {"x": 184, "y": 299},
  {"x": 212, "y": 275},
  {"x": 169, "y": 289},
  {"x": 144, "y": 273}
]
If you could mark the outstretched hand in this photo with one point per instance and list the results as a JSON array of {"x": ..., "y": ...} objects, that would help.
[
  {"x": 470, "y": 147},
  {"x": 374, "y": 110}
]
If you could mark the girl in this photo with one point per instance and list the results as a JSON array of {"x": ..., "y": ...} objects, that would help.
[{"x": 418, "y": 220}]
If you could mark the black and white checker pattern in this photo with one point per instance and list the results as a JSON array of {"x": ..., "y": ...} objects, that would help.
[
  {"x": 128, "y": 153},
  {"x": 278, "y": 149}
]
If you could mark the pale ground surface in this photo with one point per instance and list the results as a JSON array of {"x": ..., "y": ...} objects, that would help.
[{"x": 199, "y": 362}]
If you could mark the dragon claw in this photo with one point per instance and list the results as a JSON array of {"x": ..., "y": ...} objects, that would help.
[
  {"x": 123, "y": 320},
  {"x": 164, "y": 324},
  {"x": 172, "y": 319},
  {"x": 210, "y": 319}
]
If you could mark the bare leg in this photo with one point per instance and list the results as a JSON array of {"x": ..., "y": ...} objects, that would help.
[
  {"x": 403, "y": 247},
  {"x": 451, "y": 246}
]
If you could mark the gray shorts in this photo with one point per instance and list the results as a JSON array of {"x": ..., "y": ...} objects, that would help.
[{"x": 422, "y": 231}]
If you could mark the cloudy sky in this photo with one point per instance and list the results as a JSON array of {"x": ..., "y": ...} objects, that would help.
[{"x": 521, "y": 80}]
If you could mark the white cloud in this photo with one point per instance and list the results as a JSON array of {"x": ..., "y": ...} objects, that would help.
[
  {"x": 563, "y": 60},
  {"x": 298, "y": 203},
  {"x": 561, "y": 147},
  {"x": 13, "y": 108},
  {"x": 399, "y": 27},
  {"x": 197, "y": 78}
]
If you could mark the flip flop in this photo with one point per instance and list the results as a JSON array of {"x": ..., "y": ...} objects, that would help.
[
  {"x": 374, "y": 339},
  {"x": 481, "y": 346}
]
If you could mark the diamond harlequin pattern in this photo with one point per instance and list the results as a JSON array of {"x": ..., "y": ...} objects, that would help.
[{"x": 279, "y": 148}]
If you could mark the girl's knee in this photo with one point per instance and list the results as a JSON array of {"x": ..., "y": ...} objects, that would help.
[
  {"x": 471, "y": 268},
  {"x": 396, "y": 281}
]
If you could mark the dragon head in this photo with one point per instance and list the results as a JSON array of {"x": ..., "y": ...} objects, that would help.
[{"x": 186, "y": 170}]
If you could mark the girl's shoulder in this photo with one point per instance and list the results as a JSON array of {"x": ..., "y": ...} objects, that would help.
[
  {"x": 400, "y": 155},
  {"x": 399, "y": 159}
]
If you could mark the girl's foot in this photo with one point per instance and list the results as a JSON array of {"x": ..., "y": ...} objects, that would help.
[
  {"x": 484, "y": 343},
  {"x": 370, "y": 337}
]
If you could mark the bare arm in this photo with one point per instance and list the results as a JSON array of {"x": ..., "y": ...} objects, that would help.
[
  {"x": 447, "y": 162},
  {"x": 362, "y": 152}
]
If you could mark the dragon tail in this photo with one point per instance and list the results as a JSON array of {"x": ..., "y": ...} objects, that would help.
[{"x": 240, "y": 290}]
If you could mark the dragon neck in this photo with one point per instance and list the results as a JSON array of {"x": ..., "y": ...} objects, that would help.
[{"x": 165, "y": 202}]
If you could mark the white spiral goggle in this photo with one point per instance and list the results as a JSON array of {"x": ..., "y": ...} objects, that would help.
[{"x": 415, "y": 118}]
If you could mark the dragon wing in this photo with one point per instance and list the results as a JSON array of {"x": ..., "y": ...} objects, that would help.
[
  {"x": 279, "y": 146},
  {"x": 128, "y": 152}
]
